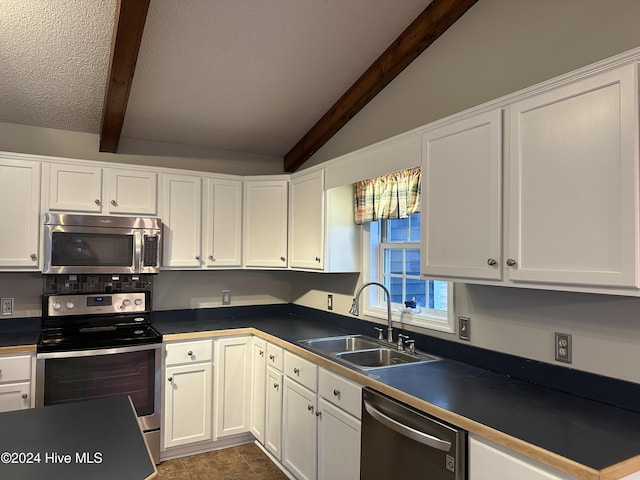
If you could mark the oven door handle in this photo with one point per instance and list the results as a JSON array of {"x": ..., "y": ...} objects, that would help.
[
  {"x": 101, "y": 351},
  {"x": 407, "y": 431}
]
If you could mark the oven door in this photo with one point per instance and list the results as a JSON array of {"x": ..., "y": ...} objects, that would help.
[
  {"x": 63, "y": 377},
  {"x": 76, "y": 249}
]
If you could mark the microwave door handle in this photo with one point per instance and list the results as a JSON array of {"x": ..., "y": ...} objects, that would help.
[
  {"x": 138, "y": 261},
  {"x": 407, "y": 431}
]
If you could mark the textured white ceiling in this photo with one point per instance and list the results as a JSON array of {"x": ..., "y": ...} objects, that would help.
[{"x": 243, "y": 75}]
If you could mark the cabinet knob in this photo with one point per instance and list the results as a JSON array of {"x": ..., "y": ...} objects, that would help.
[
  {"x": 296, "y": 371},
  {"x": 336, "y": 392},
  {"x": 511, "y": 262},
  {"x": 190, "y": 353},
  {"x": 310, "y": 408},
  {"x": 318, "y": 414},
  {"x": 276, "y": 386},
  {"x": 34, "y": 257},
  {"x": 282, "y": 258},
  {"x": 97, "y": 200},
  {"x": 114, "y": 203},
  {"x": 491, "y": 262},
  {"x": 170, "y": 379},
  {"x": 197, "y": 257},
  {"x": 261, "y": 353},
  {"x": 211, "y": 258},
  {"x": 318, "y": 259},
  {"x": 272, "y": 358},
  {"x": 25, "y": 396}
]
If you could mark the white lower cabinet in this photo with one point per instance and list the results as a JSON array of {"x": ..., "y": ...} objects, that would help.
[
  {"x": 188, "y": 392},
  {"x": 232, "y": 386},
  {"x": 258, "y": 386},
  {"x": 299, "y": 430},
  {"x": 488, "y": 461},
  {"x": 16, "y": 391},
  {"x": 273, "y": 413}
]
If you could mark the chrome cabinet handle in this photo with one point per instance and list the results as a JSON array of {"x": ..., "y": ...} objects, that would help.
[
  {"x": 97, "y": 201},
  {"x": 24, "y": 395},
  {"x": 34, "y": 256},
  {"x": 511, "y": 262},
  {"x": 261, "y": 353},
  {"x": 318, "y": 414},
  {"x": 318, "y": 259},
  {"x": 310, "y": 408},
  {"x": 170, "y": 379},
  {"x": 276, "y": 386},
  {"x": 296, "y": 371},
  {"x": 491, "y": 262},
  {"x": 407, "y": 431},
  {"x": 114, "y": 203},
  {"x": 336, "y": 392},
  {"x": 272, "y": 358}
]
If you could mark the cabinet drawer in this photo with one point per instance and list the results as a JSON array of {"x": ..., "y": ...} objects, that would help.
[
  {"x": 189, "y": 352},
  {"x": 13, "y": 369},
  {"x": 341, "y": 392},
  {"x": 274, "y": 356},
  {"x": 301, "y": 370}
]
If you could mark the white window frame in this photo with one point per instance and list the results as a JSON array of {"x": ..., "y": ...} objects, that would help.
[{"x": 426, "y": 319}]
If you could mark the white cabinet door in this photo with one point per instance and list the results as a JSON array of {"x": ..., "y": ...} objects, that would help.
[
  {"x": 273, "y": 413},
  {"x": 131, "y": 192},
  {"x": 461, "y": 202},
  {"x": 20, "y": 214},
  {"x": 75, "y": 188},
  {"x": 574, "y": 183},
  {"x": 265, "y": 223},
  {"x": 306, "y": 221},
  {"x": 15, "y": 396},
  {"x": 222, "y": 223},
  {"x": 258, "y": 387},
  {"x": 338, "y": 444},
  {"x": 488, "y": 461},
  {"x": 232, "y": 386},
  {"x": 299, "y": 430},
  {"x": 181, "y": 216},
  {"x": 187, "y": 406}
]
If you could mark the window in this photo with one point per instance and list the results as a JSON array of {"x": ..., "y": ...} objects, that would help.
[{"x": 394, "y": 260}]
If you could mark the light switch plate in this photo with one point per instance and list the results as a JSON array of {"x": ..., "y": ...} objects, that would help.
[{"x": 226, "y": 297}]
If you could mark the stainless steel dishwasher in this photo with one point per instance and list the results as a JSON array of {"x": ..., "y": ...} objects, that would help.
[{"x": 399, "y": 441}]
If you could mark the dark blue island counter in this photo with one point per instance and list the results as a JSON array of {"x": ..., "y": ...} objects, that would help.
[{"x": 95, "y": 439}]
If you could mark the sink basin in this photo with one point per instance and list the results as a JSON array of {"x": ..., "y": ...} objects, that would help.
[
  {"x": 364, "y": 353},
  {"x": 380, "y": 357},
  {"x": 348, "y": 343}
]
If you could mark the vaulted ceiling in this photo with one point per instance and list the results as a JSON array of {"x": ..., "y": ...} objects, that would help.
[{"x": 272, "y": 77}]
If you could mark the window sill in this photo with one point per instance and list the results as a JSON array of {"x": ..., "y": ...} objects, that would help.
[{"x": 419, "y": 320}]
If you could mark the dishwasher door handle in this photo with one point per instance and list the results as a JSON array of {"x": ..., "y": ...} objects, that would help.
[{"x": 408, "y": 432}]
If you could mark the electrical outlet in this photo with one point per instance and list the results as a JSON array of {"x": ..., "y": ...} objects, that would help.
[
  {"x": 329, "y": 302},
  {"x": 7, "y": 306},
  {"x": 464, "y": 328},
  {"x": 563, "y": 347},
  {"x": 226, "y": 297}
]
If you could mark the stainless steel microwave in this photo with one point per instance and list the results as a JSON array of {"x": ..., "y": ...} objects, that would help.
[{"x": 100, "y": 244}]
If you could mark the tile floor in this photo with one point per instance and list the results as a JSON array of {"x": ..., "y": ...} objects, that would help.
[{"x": 245, "y": 462}]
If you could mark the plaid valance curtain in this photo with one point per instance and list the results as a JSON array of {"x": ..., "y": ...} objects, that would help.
[{"x": 396, "y": 195}]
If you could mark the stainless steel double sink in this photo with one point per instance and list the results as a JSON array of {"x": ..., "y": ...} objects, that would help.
[{"x": 365, "y": 353}]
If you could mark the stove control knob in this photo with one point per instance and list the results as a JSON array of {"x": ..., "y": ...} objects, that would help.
[
  {"x": 56, "y": 305},
  {"x": 69, "y": 305},
  {"x": 126, "y": 302},
  {"x": 138, "y": 301}
]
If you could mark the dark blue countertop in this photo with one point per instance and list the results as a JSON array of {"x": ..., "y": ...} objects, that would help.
[
  {"x": 19, "y": 331},
  {"x": 97, "y": 439},
  {"x": 592, "y": 433}
]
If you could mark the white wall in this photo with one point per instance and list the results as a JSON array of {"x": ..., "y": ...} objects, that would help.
[
  {"x": 62, "y": 143},
  {"x": 496, "y": 48}
]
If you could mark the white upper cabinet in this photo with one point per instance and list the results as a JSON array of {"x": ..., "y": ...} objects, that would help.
[
  {"x": 182, "y": 219},
  {"x": 322, "y": 232},
  {"x": 222, "y": 223},
  {"x": 19, "y": 214},
  {"x": 461, "y": 198},
  {"x": 265, "y": 222},
  {"x": 93, "y": 189},
  {"x": 132, "y": 192},
  {"x": 573, "y": 206}
]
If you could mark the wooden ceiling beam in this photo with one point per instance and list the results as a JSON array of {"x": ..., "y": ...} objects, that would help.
[
  {"x": 423, "y": 31},
  {"x": 125, "y": 44}
]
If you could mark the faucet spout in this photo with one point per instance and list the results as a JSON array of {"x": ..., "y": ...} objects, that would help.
[{"x": 354, "y": 310}]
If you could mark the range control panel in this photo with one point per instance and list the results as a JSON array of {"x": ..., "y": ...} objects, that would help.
[{"x": 65, "y": 305}]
